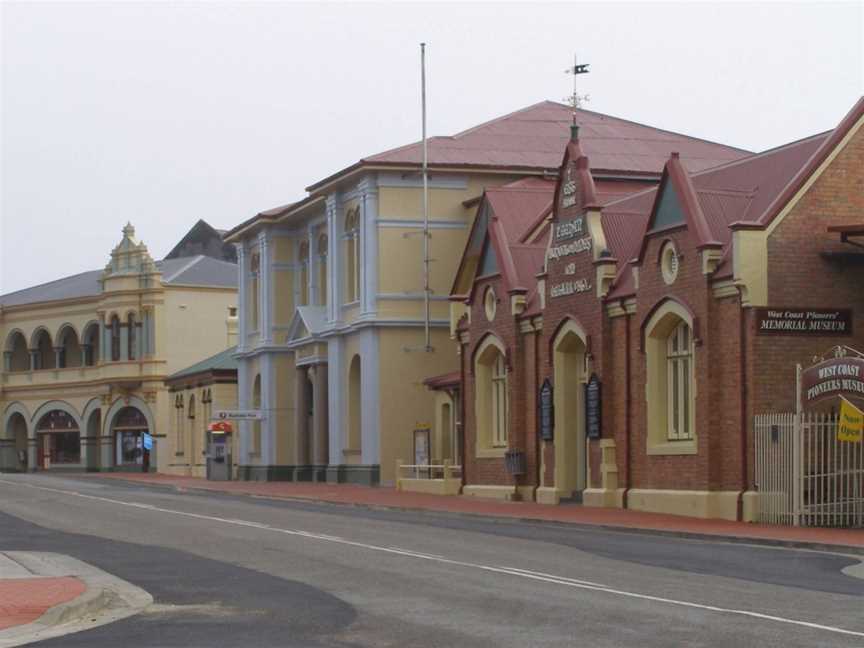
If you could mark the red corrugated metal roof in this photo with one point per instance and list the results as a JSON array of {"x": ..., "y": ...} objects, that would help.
[
  {"x": 534, "y": 137},
  {"x": 740, "y": 190}
]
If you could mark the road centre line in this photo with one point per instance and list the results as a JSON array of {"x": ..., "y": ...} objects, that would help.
[{"x": 511, "y": 571}]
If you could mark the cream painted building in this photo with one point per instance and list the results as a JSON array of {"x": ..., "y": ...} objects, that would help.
[
  {"x": 85, "y": 357},
  {"x": 332, "y": 342}
]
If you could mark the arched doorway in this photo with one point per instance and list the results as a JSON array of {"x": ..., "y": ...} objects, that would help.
[
  {"x": 93, "y": 423},
  {"x": 14, "y": 443},
  {"x": 353, "y": 441},
  {"x": 570, "y": 376},
  {"x": 90, "y": 340},
  {"x": 58, "y": 440},
  {"x": 128, "y": 429}
]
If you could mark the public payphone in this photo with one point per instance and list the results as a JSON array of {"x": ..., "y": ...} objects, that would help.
[{"x": 219, "y": 459}]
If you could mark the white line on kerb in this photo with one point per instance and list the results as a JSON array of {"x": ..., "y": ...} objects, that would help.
[{"x": 510, "y": 571}]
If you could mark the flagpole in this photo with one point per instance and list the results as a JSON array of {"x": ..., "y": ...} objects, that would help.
[{"x": 426, "y": 288}]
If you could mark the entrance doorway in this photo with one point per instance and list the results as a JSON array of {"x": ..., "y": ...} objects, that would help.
[
  {"x": 570, "y": 375},
  {"x": 129, "y": 428},
  {"x": 58, "y": 440}
]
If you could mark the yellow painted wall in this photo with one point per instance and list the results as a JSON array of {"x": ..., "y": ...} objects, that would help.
[
  {"x": 195, "y": 325},
  {"x": 405, "y": 399}
]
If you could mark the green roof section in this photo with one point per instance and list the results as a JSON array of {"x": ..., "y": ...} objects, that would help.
[{"x": 224, "y": 360}]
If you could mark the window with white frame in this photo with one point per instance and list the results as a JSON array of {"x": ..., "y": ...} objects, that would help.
[{"x": 679, "y": 356}]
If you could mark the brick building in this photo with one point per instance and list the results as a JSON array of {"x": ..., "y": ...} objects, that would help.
[{"x": 614, "y": 350}]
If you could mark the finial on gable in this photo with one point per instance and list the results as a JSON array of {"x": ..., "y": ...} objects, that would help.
[
  {"x": 574, "y": 132},
  {"x": 129, "y": 230}
]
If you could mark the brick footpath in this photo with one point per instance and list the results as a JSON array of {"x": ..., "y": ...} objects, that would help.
[
  {"x": 567, "y": 514},
  {"x": 24, "y": 600}
]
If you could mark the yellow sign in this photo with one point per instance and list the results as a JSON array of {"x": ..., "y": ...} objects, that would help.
[{"x": 850, "y": 427}]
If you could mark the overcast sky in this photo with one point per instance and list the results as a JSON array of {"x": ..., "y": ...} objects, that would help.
[{"x": 161, "y": 114}]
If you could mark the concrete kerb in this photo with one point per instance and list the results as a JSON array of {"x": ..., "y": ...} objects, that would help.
[
  {"x": 849, "y": 550},
  {"x": 107, "y": 599}
]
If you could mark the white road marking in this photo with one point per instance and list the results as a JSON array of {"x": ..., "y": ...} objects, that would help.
[{"x": 510, "y": 571}]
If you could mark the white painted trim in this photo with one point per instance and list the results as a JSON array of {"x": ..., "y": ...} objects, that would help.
[{"x": 410, "y": 297}]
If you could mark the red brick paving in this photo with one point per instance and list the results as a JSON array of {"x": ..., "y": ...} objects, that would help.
[
  {"x": 390, "y": 497},
  {"x": 23, "y": 600}
]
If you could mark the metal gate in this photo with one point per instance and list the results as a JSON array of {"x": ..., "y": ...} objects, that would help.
[{"x": 804, "y": 475}]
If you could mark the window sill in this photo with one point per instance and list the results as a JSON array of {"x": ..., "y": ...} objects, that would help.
[
  {"x": 351, "y": 452},
  {"x": 673, "y": 448},
  {"x": 351, "y": 304},
  {"x": 489, "y": 453}
]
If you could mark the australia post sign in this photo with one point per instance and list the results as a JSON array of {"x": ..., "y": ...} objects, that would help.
[{"x": 834, "y": 377}]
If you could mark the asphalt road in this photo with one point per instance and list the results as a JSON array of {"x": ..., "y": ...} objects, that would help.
[{"x": 236, "y": 571}]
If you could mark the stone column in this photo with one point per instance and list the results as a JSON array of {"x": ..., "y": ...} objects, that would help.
[
  {"x": 243, "y": 270},
  {"x": 301, "y": 457},
  {"x": 320, "y": 417},
  {"x": 312, "y": 267},
  {"x": 85, "y": 352},
  {"x": 265, "y": 284},
  {"x": 369, "y": 246},
  {"x": 32, "y": 453},
  {"x": 124, "y": 341},
  {"x": 335, "y": 227},
  {"x": 34, "y": 360},
  {"x": 58, "y": 356}
]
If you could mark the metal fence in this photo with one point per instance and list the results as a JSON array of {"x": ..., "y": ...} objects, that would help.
[{"x": 806, "y": 476}]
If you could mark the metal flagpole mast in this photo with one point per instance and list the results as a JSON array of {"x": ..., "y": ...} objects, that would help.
[
  {"x": 576, "y": 99},
  {"x": 426, "y": 289}
]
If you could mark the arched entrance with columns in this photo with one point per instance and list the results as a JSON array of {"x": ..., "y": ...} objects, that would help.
[
  {"x": 57, "y": 429},
  {"x": 90, "y": 440},
  {"x": 13, "y": 442},
  {"x": 126, "y": 423}
]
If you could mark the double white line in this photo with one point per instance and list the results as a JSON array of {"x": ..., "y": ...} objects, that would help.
[{"x": 510, "y": 571}]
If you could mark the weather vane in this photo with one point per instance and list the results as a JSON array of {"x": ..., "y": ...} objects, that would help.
[{"x": 575, "y": 100}]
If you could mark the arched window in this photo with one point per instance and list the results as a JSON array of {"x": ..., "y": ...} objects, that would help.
[
  {"x": 678, "y": 378},
  {"x": 322, "y": 270},
  {"x": 91, "y": 344},
  {"x": 131, "y": 340},
  {"x": 70, "y": 349},
  {"x": 671, "y": 385},
  {"x": 18, "y": 357},
  {"x": 115, "y": 338},
  {"x": 492, "y": 397},
  {"x": 303, "y": 260},
  {"x": 190, "y": 411},
  {"x": 45, "y": 357},
  {"x": 352, "y": 255}
]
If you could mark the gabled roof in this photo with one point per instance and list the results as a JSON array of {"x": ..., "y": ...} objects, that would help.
[
  {"x": 307, "y": 322},
  {"x": 531, "y": 139},
  {"x": 505, "y": 214},
  {"x": 203, "y": 239},
  {"x": 222, "y": 361},
  {"x": 716, "y": 198}
]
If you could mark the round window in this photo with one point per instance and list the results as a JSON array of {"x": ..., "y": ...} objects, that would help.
[
  {"x": 490, "y": 303},
  {"x": 669, "y": 263}
]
